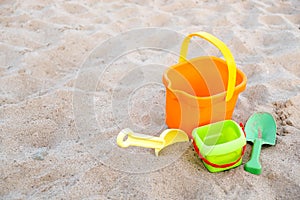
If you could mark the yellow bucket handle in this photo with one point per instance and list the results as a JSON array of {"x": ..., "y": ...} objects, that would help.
[{"x": 224, "y": 50}]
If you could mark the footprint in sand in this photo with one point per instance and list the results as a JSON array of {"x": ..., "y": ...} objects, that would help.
[{"x": 272, "y": 20}]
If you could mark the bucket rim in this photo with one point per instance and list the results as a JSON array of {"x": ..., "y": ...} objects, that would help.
[
  {"x": 222, "y": 96},
  {"x": 219, "y": 149}
]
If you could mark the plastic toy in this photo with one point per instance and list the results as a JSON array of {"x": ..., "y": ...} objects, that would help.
[
  {"x": 220, "y": 145},
  {"x": 260, "y": 129},
  {"x": 168, "y": 137},
  {"x": 202, "y": 90}
]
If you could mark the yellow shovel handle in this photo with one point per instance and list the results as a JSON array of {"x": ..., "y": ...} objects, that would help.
[
  {"x": 140, "y": 140},
  {"x": 224, "y": 50}
]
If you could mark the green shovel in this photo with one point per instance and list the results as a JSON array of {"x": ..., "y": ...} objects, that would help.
[{"x": 260, "y": 129}]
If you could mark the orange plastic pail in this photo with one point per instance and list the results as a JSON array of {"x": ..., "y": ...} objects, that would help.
[{"x": 202, "y": 90}]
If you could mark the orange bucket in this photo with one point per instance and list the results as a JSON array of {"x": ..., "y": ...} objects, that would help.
[{"x": 202, "y": 90}]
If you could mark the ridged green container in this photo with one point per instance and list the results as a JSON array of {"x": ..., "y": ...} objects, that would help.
[{"x": 220, "y": 145}]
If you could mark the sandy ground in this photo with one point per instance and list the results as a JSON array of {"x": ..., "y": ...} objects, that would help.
[{"x": 62, "y": 104}]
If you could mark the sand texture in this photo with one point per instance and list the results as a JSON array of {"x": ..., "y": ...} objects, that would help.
[{"x": 74, "y": 73}]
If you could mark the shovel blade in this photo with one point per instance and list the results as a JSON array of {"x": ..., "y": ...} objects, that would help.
[
  {"x": 261, "y": 125},
  {"x": 171, "y": 136}
]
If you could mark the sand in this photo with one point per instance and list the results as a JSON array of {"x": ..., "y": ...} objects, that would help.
[{"x": 66, "y": 92}]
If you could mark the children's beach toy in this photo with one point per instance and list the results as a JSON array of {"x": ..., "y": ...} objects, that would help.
[
  {"x": 202, "y": 90},
  {"x": 260, "y": 129},
  {"x": 168, "y": 137},
  {"x": 220, "y": 145}
]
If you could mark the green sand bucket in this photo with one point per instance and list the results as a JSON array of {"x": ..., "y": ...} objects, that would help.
[{"x": 220, "y": 145}]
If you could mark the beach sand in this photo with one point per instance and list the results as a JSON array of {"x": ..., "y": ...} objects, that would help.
[{"x": 62, "y": 104}]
